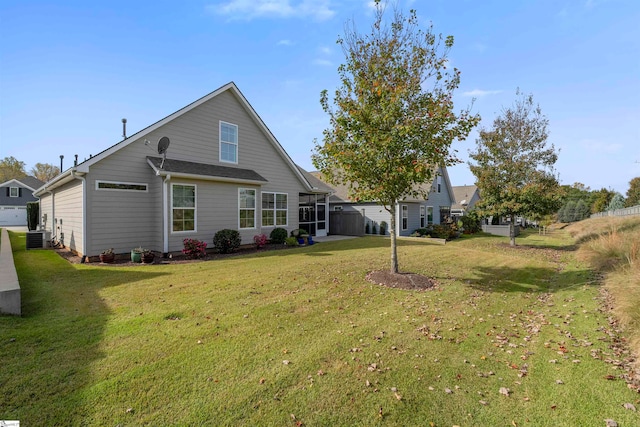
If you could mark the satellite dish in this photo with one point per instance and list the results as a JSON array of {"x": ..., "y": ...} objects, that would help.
[{"x": 163, "y": 145}]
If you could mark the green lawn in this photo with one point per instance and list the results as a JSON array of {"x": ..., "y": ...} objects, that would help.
[{"x": 299, "y": 337}]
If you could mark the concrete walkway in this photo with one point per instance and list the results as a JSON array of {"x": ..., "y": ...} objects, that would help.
[{"x": 10, "y": 302}]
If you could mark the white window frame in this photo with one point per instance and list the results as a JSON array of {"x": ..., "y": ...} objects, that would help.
[
  {"x": 11, "y": 191},
  {"x": 423, "y": 216},
  {"x": 235, "y": 143},
  {"x": 195, "y": 208},
  {"x": 404, "y": 209},
  {"x": 429, "y": 208},
  {"x": 275, "y": 209},
  {"x": 146, "y": 186},
  {"x": 240, "y": 208}
]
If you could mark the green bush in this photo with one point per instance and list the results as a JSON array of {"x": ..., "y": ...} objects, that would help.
[
  {"x": 422, "y": 232},
  {"x": 366, "y": 228},
  {"x": 278, "y": 235},
  {"x": 470, "y": 223},
  {"x": 374, "y": 230},
  {"x": 33, "y": 211},
  {"x": 291, "y": 241},
  {"x": 226, "y": 240},
  {"x": 383, "y": 228},
  {"x": 444, "y": 231}
]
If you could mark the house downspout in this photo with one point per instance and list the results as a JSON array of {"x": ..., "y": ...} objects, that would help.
[
  {"x": 84, "y": 214},
  {"x": 165, "y": 215}
]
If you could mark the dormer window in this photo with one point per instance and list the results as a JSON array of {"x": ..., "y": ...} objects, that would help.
[
  {"x": 228, "y": 142},
  {"x": 14, "y": 191}
]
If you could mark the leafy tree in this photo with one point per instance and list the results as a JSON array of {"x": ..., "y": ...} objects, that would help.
[
  {"x": 45, "y": 171},
  {"x": 582, "y": 211},
  {"x": 633, "y": 193},
  {"x": 601, "y": 200},
  {"x": 570, "y": 211},
  {"x": 391, "y": 121},
  {"x": 562, "y": 213},
  {"x": 514, "y": 167},
  {"x": 617, "y": 202},
  {"x": 11, "y": 168}
]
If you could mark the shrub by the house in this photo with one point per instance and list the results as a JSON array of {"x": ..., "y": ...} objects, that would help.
[
  {"x": 194, "y": 248},
  {"x": 226, "y": 240},
  {"x": 278, "y": 235}
]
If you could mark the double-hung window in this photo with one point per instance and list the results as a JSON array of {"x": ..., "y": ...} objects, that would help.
[
  {"x": 405, "y": 217},
  {"x": 247, "y": 208},
  {"x": 228, "y": 142},
  {"x": 429, "y": 215},
  {"x": 14, "y": 192},
  {"x": 274, "y": 209},
  {"x": 423, "y": 217},
  {"x": 183, "y": 207}
]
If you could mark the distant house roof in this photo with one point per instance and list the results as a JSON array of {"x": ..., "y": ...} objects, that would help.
[
  {"x": 184, "y": 169},
  {"x": 463, "y": 195},
  {"x": 316, "y": 183},
  {"x": 341, "y": 192},
  {"x": 30, "y": 182}
]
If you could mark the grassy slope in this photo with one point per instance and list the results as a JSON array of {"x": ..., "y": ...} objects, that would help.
[{"x": 204, "y": 343}]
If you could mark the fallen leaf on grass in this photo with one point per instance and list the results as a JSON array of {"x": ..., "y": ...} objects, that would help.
[
  {"x": 448, "y": 391},
  {"x": 285, "y": 362},
  {"x": 611, "y": 423},
  {"x": 629, "y": 406},
  {"x": 505, "y": 391},
  {"x": 559, "y": 382},
  {"x": 483, "y": 402}
]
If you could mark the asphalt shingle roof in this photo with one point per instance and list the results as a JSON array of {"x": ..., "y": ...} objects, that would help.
[{"x": 204, "y": 169}]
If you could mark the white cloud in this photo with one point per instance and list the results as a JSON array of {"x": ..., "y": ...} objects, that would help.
[
  {"x": 477, "y": 93},
  {"x": 600, "y": 147},
  {"x": 250, "y": 9},
  {"x": 285, "y": 42},
  {"x": 325, "y": 50},
  {"x": 322, "y": 62}
]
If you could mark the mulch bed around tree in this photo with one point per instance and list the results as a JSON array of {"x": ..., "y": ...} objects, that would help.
[{"x": 409, "y": 281}]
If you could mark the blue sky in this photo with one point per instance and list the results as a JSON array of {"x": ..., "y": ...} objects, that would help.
[{"x": 71, "y": 70}]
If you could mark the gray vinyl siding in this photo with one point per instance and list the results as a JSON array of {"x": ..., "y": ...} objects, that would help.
[
  {"x": 68, "y": 216},
  {"x": 46, "y": 203},
  {"x": 123, "y": 220},
  {"x": 436, "y": 200}
]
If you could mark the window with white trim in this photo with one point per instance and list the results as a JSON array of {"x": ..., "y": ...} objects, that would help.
[
  {"x": 423, "y": 219},
  {"x": 429, "y": 215},
  {"x": 121, "y": 186},
  {"x": 246, "y": 208},
  {"x": 405, "y": 217},
  {"x": 228, "y": 142},
  {"x": 183, "y": 208},
  {"x": 274, "y": 209},
  {"x": 14, "y": 191}
]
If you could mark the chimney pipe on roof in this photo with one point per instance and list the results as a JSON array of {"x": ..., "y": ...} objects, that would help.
[
  {"x": 75, "y": 163},
  {"x": 124, "y": 128},
  {"x": 61, "y": 157}
]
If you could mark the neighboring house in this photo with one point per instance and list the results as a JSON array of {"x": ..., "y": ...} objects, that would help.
[
  {"x": 223, "y": 169},
  {"x": 466, "y": 196},
  {"x": 411, "y": 214},
  {"x": 14, "y": 196}
]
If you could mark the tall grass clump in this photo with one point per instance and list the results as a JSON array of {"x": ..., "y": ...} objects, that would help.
[{"x": 612, "y": 246}]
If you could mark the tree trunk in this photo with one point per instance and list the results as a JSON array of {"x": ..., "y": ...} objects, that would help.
[
  {"x": 392, "y": 231},
  {"x": 512, "y": 230}
]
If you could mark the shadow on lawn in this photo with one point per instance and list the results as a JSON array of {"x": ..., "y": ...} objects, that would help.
[
  {"x": 49, "y": 352},
  {"x": 528, "y": 279}
]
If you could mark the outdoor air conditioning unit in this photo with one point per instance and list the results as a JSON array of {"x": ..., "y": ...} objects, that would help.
[{"x": 38, "y": 239}]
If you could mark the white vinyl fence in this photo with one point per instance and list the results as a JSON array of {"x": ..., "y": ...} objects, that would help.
[{"x": 632, "y": 211}]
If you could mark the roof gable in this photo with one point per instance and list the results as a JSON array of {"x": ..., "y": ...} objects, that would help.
[
  {"x": 29, "y": 182},
  {"x": 229, "y": 87}
]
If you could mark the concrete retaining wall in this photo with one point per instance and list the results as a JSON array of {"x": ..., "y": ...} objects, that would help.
[{"x": 10, "y": 302}]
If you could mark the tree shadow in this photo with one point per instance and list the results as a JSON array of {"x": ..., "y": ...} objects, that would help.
[
  {"x": 50, "y": 352},
  {"x": 528, "y": 279}
]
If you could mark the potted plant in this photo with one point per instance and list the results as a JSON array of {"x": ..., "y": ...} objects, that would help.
[
  {"x": 147, "y": 256},
  {"x": 299, "y": 234},
  {"x": 107, "y": 256},
  {"x": 136, "y": 254}
]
